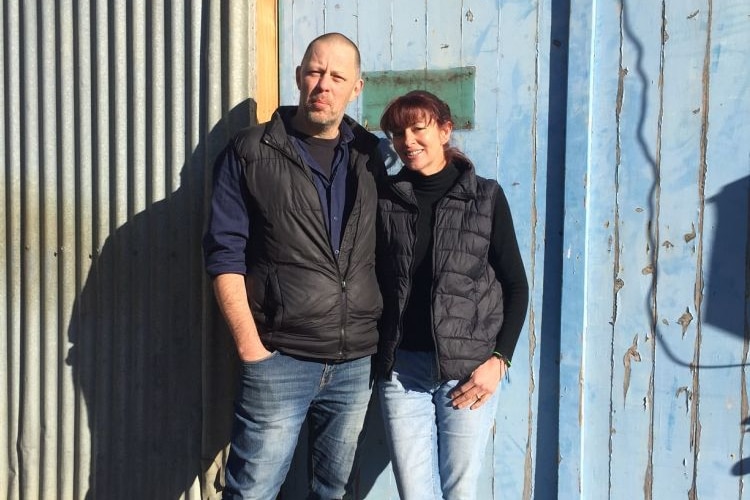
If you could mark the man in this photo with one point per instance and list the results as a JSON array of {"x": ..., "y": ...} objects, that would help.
[{"x": 290, "y": 246}]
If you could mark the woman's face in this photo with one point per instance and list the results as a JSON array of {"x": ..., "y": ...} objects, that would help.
[{"x": 421, "y": 145}]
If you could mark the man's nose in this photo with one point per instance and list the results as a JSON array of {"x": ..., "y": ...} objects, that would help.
[{"x": 324, "y": 82}]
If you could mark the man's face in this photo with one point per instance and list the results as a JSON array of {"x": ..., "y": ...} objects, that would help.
[{"x": 328, "y": 80}]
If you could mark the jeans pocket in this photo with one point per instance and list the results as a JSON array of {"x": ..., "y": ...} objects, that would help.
[{"x": 246, "y": 364}]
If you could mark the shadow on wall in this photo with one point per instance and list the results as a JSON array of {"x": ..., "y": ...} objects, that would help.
[
  {"x": 157, "y": 400},
  {"x": 726, "y": 290},
  {"x": 157, "y": 388}
]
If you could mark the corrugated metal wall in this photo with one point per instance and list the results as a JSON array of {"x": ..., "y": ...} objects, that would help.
[{"x": 111, "y": 113}]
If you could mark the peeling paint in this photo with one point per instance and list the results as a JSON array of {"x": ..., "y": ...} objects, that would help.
[
  {"x": 649, "y": 269},
  {"x": 667, "y": 244},
  {"x": 691, "y": 235},
  {"x": 688, "y": 396},
  {"x": 631, "y": 355},
  {"x": 685, "y": 320}
]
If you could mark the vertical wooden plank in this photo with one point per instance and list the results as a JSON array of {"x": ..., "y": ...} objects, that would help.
[
  {"x": 480, "y": 46},
  {"x": 517, "y": 171},
  {"x": 409, "y": 36},
  {"x": 267, "y": 55},
  {"x": 342, "y": 17},
  {"x": 444, "y": 41},
  {"x": 301, "y": 21},
  {"x": 677, "y": 201},
  {"x": 601, "y": 260},
  {"x": 374, "y": 29},
  {"x": 541, "y": 456},
  {"x": 637, "y": 106},
  {"x": 724, "y": 299},
  {"x": 574, "y": 293}
]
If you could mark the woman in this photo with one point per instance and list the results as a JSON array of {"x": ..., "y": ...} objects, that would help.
[{"x": 455, "y": 295}]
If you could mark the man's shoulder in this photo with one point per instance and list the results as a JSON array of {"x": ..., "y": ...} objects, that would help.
[{"x": 249, "y": 138}]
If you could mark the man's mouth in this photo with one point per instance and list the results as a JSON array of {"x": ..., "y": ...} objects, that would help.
[{"x": 318, "y": 103}]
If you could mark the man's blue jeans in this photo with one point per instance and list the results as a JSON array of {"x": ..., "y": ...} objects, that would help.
[
  {"x": 274, "y": 398},
  {"x": 436, "y": 450}
]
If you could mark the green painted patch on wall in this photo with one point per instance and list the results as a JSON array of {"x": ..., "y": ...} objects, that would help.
[{"x": 455, "y": 86}]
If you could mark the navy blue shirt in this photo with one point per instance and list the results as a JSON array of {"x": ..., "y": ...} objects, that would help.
[
  {"x": 225, "y": 241},
  {"x": 330, "y": 182}
]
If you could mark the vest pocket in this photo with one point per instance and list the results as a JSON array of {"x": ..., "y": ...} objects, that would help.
[{"x": 267, "y": 297}]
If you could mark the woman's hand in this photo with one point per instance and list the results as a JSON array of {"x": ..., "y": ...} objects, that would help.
[{"x": 481, "y": 385}]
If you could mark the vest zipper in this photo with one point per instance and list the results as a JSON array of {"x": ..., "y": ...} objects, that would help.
[
  {"x": 408, "y": 293},
  {"x": 342, "y": 331}
]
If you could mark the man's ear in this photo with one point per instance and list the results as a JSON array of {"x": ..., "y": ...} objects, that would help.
[
  {"x": 358, "y": 86},
  {"x": 298, "y": 77}
]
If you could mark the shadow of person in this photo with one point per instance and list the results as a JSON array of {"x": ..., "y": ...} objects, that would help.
[
  {"x": 153, "y": 359},
  {"x": 156, "y": 390},
  {"x": 726, "y": 283}
]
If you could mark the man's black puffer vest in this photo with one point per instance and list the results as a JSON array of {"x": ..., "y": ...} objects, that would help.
[
  {"x": 304, "y": 301},
  {"x": 467, "y": 299}
]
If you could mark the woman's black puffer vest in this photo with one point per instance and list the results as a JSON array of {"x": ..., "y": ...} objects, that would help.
[{"x": 467, "y": 299}]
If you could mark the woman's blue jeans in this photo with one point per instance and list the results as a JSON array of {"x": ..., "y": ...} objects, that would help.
[
  {"x": 274, "y": 397},
  {"x": 436, "y": 450}
]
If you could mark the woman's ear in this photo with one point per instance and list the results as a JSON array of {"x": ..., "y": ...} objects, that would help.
[{"x": 445, "y": 132}]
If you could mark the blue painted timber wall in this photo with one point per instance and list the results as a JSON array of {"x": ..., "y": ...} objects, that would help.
[{"x": 620, "y": 132}]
